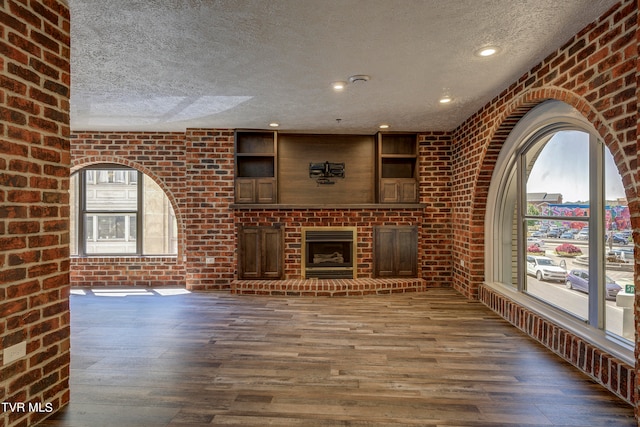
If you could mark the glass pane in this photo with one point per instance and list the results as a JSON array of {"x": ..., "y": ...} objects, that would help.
[
  {"x": 110, "y": 234},
  {"x": 618, "y": 255},
  {"x": 558, "y": 174},
  {"x": 111, "y": 190},
  {"x": 160, "y": 225},
  {"x": 557, "y": 185}
]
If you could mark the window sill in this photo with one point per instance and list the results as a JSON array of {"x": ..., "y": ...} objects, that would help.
[
  {"x": 597, "y": 338},
  {"x": 120, "y": 256}
]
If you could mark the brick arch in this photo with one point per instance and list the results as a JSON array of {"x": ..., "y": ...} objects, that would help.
[
  {"x": 506, "y": 121},
  {"x": 81, "y": 163}
]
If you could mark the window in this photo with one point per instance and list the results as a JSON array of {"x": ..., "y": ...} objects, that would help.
[
  {"x": 117, "y": 210},
  {"x": 561, "y": 224}
]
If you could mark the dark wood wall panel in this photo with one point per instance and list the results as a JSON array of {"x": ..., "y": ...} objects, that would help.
[{"x": 295, "y": 152}]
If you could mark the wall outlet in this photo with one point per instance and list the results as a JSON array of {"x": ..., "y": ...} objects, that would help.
[
  {"x": 462, "y": 263},
  {"x": 15, "y": 352},
  {"x": 210, "y": 260}
]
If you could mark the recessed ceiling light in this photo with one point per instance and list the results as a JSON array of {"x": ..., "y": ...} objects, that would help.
[
  {"x": 487, "y": 51},
  {"x": 274, "y": 124},
  {"x": 445, "y": 99},
  {"x": 338, "y": 86},
  {"x": 384, "y": 126}
]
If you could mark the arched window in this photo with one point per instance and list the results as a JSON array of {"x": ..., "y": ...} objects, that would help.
[
  {"x": 560, "y": 226},
  {"x": 116, "y": 210}
]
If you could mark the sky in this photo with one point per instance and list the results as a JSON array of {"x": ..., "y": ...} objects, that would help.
[{"x": 563, "y": 167}]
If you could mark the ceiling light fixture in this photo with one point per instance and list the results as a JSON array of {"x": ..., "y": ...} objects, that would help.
[
  {"x": 445, "y": 99},
  {"x": 338, "y": 86},
  {"x": 487, "y": 51},
  {"x": 274, "y": 124},
  {"x": 384, "y": 126}
]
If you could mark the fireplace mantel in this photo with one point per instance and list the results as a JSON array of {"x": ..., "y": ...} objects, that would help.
[{"x": 278, "y": 206}]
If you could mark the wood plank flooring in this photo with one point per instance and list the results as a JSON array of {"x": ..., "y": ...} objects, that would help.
[{"x": 427, "y": 359}]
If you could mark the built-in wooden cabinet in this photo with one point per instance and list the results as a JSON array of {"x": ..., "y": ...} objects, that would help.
[
  {"x": 395, "y": 251},
  {"x": 381, "y": 168},
  {"x": 260, "y": 253},
  {"x": 397, "y": 167},
  {"x": 256, "y": 162}
]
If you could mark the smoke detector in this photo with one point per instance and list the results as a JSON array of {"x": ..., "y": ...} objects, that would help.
[{"x": 359, "y": 78}]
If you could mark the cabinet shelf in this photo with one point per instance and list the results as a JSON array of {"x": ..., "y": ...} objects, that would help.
[
  {"x": 256, "y": 166},
  {"x": 397, "y": 167}
]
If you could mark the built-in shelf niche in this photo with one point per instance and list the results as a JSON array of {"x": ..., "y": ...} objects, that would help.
[
  {"x": 256, "y": 166},
  {"x": 397, "y": 167}
]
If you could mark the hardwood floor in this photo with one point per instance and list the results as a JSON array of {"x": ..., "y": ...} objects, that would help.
[{"x": 432, "y": 358}]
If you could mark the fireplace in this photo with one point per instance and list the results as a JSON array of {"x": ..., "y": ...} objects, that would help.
[{"x": 329, "y": 253}]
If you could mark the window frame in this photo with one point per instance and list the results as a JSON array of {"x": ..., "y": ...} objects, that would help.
[
  {"x": 595, "y": 219},
  {"x": 501, "y": 217},
  {"x": 83, "y": 211}
]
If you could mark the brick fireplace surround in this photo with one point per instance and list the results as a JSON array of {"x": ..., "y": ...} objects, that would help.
[{"x": 596, "y": 72}]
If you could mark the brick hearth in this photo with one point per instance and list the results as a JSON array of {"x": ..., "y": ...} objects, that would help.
[{"x": 327, "y": 287}]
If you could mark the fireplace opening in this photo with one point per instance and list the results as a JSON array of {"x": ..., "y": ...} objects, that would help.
[{"x": 329, "y": 253}]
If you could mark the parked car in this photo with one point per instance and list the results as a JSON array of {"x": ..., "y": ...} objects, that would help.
[
  {"x": 626, "y": 233},
  {"x": 619, "y": 238},
  {"x": 545, "y": 268},
  {"x": 534, "y": 241},
  {"x": 566, "y": 235},
  {"x": 579, "y": 280},
  {"x": 583, "y": 235},
  {"x": 538, "y": 234},
  {"x": 554, "y": 233}
]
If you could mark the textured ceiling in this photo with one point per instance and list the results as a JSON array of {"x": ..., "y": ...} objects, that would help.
[{"x": 166, "y": 65}]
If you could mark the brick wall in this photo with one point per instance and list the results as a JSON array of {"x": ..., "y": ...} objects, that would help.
[
  {"x": 145, "y": 271},
  {"x": 436, "y": 240},
  {"x": 595, "y": 72},
  {"x": 160, "y": 156},
  {"x": 34, "y": 167},
  {"x": 195, "y": 169},
  {"x": 210, "y": 192}
]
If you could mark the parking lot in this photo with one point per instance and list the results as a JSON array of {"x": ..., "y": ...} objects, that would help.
[{"x": 619, "y": 320}]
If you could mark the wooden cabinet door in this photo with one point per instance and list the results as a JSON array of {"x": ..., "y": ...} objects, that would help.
[
  {"x": 245, "y": 190},
  {"x": 271, "y": 257},
  {"x": 398, "y": 190},
  {"x": 396, "y": 251},
  {"x": 260, "y": 253},
  {"x": 408, "y": 191},
  {"x": 406, "y": 251},
  {"x": 384, "y": 253},
  {"x": 265, "y": 190},
  {"x": 249, "y": 253},
  {"x": 389, "y": 191},
  {"x": 255, "y": 190}
]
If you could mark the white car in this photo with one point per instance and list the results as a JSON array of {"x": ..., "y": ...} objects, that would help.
[
  {"x": 534, "y": 241},
  {"x": 583, "y": 234},
  {"x": 545, "y": 268}
]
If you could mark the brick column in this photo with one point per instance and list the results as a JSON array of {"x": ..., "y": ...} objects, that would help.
[
  {"x": 210, "y": 231},
  {"x": 34, "y": 208}
]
